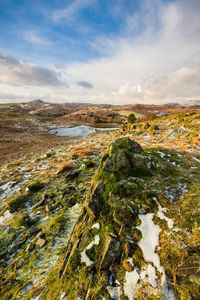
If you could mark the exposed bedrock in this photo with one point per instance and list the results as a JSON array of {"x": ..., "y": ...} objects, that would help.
[{"x": 105, "y": 237}]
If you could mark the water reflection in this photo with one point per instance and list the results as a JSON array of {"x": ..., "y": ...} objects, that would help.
[{"x": 82, "y": 130}]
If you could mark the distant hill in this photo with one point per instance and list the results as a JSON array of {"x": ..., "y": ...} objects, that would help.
[{"x": 94, "y": 114}]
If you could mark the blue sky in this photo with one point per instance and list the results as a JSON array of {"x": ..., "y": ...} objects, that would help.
[
  {"x": 62, "y": 31},
  {"x": 116, "y": 51}
]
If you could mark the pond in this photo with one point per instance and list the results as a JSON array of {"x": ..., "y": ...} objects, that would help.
[{"x": 82, "y": 130}]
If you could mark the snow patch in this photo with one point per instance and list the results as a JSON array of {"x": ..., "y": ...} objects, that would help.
[
  {"x": 197, "y": 159},
  {"x": 96, "y": 225},
  {"x": 150, "y": 238},
  {"x": 161, "y": 215},
  {"x": 148, "y": 244},
  {"x": 84, "y": 258},
  {"x": 151, "y": 275},
  {"x": 162, "y": 155},
  {"x": 7, "y": 215},
  {"x": 115, "y": 292},
  {"x": 130, "y": 286}
]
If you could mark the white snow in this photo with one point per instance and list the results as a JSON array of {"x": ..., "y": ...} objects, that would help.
[
  {"x": 161, "y": 215},
  {"x": 6, "y": 188},
  {"x": 148, "y": 244},
  {"x": 183, "y": 187},
  {"x": 84, "y": 258},
  {"x": 63, "y": 296},
  {"x": 150, "y": 273},
  {"x": 130, "y": 286},
  {"x": 197, "y": 159},
  {"x": 39, "y": 297},
  {"x": 130, "y": 260},
  {"x": 162, "y": 155},
  {"x": 114, "y": 291},
  {"x": 7, "y": 215},
  {"x": 96, "y": 225},
  {"x": 150, "y": 238}
]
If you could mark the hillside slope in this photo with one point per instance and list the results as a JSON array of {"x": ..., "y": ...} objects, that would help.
[{"x": 136, "y": 210}]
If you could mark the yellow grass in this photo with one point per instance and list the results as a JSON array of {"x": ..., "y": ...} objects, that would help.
[{"x": 128, "y": 112}]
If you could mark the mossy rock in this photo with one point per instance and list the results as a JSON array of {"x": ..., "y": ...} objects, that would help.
[
  {"x": 87, "y": 164},
  {"x": 24, "y": 220},
  {"x": 17, "y": 202},
  {"x": 57, "y": 223},
  {"x": 35, "y": 186}
]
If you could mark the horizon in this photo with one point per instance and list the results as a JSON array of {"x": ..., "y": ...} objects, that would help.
[{"x": 91, "y": 51}]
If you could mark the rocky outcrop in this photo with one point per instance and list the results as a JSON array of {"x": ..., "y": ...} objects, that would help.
[{"x": 113, "y": 203}]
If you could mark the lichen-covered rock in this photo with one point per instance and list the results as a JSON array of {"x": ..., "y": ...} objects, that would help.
[{"x": 114, "y": 203}]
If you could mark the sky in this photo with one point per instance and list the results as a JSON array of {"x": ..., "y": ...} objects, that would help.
[{"x": 100, "y": 51}]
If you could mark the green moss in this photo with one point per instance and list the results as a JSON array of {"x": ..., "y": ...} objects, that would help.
[
  {"x": 74, "y": 156},
  {"x": 35, "y": 186},
  {"x": 139, "y": 172},
  {"x": 24, "y": 220},
  {"x": 113, "y": 188},
  {"x": 17, "y": 203},
  {"x": 57, "y": 223},
  {"x": 138, "y": 257},
  {"x": 137, "y": 235},
  {"x": 87, "y": 164}
]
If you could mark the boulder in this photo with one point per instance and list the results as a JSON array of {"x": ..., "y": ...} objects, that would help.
[{"x": 113, "y": 201}]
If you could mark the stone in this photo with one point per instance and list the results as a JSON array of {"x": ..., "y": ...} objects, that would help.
[
  {"x": 118, "y": 153},
  {"x": 123, "y": 216},
  {"x": 110, "y": 252},
  {"x": 72, "y": 175},
  {"x": 40, "y": 242},
  {"x": 189, "y": 266},
  {"x": 96, "y": 198}
]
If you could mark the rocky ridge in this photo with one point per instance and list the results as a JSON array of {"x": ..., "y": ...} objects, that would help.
[{"x": 112, "y": 252}]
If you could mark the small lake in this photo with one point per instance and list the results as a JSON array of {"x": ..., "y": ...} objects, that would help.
[{"x": 82, "y": 130}]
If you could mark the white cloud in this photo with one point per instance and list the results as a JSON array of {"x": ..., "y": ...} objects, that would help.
[
  {"x": 34, "y": 37},
  {"x": 185, "y": 82},
  {"x": 160, "y": 64},
  {"x": 130, "y": 90},
  {"x": 16, "y": 72},
  {"x": 71, "y": 10},
  {"x": 85, "y": 84}
]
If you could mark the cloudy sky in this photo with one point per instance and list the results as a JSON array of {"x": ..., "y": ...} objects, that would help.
[{"x": 100, "y": 51}]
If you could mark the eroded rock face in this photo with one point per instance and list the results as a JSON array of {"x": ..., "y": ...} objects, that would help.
[{"x": 113, "y": 202}]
